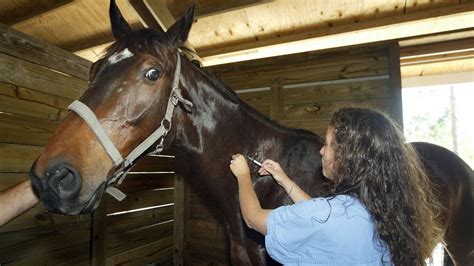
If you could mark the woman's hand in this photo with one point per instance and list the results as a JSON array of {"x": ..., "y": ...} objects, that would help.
[
  {"x": 273, "y": 168},
  {"x": 239, "y": 167}
]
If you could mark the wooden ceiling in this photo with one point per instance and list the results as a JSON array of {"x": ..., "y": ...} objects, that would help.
[{"x": 248, "y": 27}]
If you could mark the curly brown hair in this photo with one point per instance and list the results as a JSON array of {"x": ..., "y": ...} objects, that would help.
[{"x": 374, "y": 163}]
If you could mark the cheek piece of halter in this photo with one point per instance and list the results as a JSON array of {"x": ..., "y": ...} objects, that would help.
[{"x": 123, "y": 166}]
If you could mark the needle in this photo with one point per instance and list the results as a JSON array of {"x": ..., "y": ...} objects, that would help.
[{"x": 254, "y": 161}]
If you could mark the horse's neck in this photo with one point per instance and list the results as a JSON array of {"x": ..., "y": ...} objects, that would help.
[{"x": 221, "y": 125}]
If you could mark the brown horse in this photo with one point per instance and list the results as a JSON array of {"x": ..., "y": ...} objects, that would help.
[{"x": 143, "y": 91}]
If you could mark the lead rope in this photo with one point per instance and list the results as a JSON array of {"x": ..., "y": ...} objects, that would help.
[{"x": 122, "y": 165}]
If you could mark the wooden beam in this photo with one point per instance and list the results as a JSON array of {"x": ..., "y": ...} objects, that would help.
[
  {"x": 144, "y": 14},
  {"x": 20, "y": 45},
  {"x": 181, "y": 207},
  {"x": 444, "y": 19},
  {"x": 432, "y": 49},
  {"x": 211, "y": 8},
  {"x": 162, "y": 14},
  {"x": 37, "y": 13}
]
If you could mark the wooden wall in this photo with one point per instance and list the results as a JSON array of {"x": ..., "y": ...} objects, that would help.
[
  {"x": 37, "y": 83},
  {"x": 301, "y": 91}
]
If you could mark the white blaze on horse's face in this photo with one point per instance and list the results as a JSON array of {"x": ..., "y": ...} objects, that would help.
[{"x": 117, "y": 57}]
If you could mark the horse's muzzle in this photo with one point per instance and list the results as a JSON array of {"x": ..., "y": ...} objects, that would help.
[{"x": 60, "y": 190}]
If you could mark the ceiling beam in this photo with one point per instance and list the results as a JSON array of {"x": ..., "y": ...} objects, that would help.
[
  {"x": 161, "y": 13},
  {"x": 37, "y": 13},
  {"x": 392, "y": 28},
  {"x": 211, "y": 8}
]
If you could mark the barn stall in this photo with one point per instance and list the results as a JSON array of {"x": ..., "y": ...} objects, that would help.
[{"x": 295, "y": 61}]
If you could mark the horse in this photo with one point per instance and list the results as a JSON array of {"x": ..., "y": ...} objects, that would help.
[{"x": 144, "y": 96}]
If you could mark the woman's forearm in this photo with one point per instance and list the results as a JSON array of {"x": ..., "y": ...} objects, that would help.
[
  {"x": 254, "y": 216},
  {"x": 294, "y": 191},
  {"x": 16, "y": 200}
]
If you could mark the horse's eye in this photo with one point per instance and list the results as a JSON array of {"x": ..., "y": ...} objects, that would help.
[{"x": 152, "y": 74}]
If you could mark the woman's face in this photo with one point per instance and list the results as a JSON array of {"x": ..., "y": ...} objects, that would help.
[{"x": 328, "y": 155}]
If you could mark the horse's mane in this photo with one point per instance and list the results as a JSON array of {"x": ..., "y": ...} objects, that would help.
[
  {"x": 299, "y": 132},
  {"x": 153, "y": 42}
]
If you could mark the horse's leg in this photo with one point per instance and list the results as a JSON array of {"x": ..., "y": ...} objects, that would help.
[{"x": 236, "y": 237}]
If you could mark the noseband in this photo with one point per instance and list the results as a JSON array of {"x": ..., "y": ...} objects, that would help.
[{"x": 123, "y": 165}]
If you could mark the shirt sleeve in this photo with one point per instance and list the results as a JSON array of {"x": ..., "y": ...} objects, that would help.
[{"x": 288, "y": 227}]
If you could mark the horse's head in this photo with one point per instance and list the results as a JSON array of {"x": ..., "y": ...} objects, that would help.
[{"x": 132, "y": 90}]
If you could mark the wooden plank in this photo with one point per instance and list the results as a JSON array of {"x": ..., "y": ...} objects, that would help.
[
  {"x": 449, "y": 18},
  {"x": 18, "y": 129},
  {"x": 12, "y": 101},
  {"x": 70, "y": 255},
  {"x": 141, "y": 182},
  {"x": 17, "y": 158},
  {"x": 181, "y": 218},
  {"x": 38, "y": 12},
  {"x": 39, "y": 78},
  {"x": 116, "y": 224},
  {"x": 145, "y": 16},
  {"x": 142, "y": 255},
  {"x": 436, "y": 48},
  {"x": 154, "y": 164},
  {"x": 129, "y": 240},
  {"x": 396, "y": 110},
  {"x": 38, "y": 216},
  {"x": 22, "y": 46},
  {"x": 256, "y": 99},
  {"x": 324, "y": 110},
  {"x": 333, "y": 92},
  {"x": 210, "y": 8},
  {"x": 140, "y": 200},
  {"x": 40, "y": 240},
  {"x": 317, "y": 126}
]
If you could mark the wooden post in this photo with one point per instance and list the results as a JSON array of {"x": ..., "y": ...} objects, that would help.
[
  {"x": 181, "y": 198},
  {"x": 98, "y": 247},
  {"x": 395, "y": 82}
]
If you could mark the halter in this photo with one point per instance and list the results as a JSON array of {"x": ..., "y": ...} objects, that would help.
[{"x": 122, "y": 165}]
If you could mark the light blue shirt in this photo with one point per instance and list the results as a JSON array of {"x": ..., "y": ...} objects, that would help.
[{"x": 325, "y": 231}]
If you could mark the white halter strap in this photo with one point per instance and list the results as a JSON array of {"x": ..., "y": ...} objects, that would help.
[{"x": 122, "y": 165}]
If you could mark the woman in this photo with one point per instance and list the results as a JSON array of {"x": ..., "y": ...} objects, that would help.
[{"x": 379, "y": 210}]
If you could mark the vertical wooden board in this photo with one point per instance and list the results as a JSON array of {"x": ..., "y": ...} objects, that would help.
[
  {"x": 17, "y": 158},
  {"x": 39, "y": 78},
  {"x": 395, "y": 83},
  {"x": 276, "y": 105},
  {"x": 181, "y": 203},
  {"x": 256, "y": 99},
  {"x": 98, "y": 234}
]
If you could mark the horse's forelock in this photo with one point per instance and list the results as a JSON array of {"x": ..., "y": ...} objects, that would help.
[{"x": 145, "y": 41}]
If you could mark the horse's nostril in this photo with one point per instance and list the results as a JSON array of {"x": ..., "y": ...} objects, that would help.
[{"x": 65, "y": 182}]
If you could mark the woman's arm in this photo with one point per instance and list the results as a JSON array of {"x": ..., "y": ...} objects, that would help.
[
  {"x": 254, "y": 216},
  {"x": 16, "y": 200},
  {"x": 291, "y": 188}
]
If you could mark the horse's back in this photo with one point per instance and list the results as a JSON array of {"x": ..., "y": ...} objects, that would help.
[{"x": 453, "y": 181}]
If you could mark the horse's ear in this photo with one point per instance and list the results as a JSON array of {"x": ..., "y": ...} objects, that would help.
[
  {"x": 120, "y": 27},
  {"x": 178, "y": 32}
]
